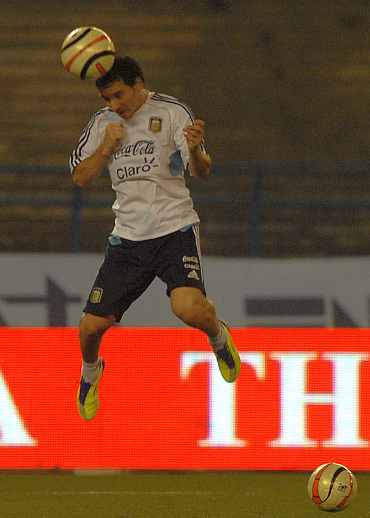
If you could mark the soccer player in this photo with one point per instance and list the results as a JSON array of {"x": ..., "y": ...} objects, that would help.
[{"x": 148, "y": 141}]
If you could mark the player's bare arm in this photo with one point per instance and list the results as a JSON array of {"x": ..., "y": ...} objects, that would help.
[
  {"x": 200, "y": 162},
  {"x": 92, "y": 167}
]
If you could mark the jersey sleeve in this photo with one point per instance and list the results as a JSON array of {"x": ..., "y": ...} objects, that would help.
[
  {"x": 183, "y": 117},
  {"x": 88, "y": 143}
]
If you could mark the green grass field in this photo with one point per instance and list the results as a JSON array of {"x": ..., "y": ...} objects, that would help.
[{"x": 166, "y": 495}]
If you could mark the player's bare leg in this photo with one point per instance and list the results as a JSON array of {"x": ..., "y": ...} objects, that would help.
[
  {"x": 194, "y": 309},
  {"x": 92, "y": 329}
]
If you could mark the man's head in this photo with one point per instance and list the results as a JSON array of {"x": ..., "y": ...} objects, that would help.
[
  {"x": 122, "y": 87},
  {"x": 124, "y": 69}
]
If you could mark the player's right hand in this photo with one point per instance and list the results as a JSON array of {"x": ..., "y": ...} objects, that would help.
[{"x": 114, "y": 133}]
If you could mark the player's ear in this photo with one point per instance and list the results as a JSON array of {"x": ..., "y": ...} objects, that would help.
[{"x": 139, "y": 83}]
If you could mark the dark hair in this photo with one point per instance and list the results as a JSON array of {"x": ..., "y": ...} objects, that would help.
[{"x": 124, "y": 69}]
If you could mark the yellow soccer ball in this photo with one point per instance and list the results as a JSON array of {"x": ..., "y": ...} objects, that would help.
[
  {"x": 87, "y": 52},
  {"x": 332, "y": 486}
]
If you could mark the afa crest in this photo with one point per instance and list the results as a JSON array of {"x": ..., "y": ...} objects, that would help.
[
  {"x": 96, "y": 295},
  {"x": 155, "y": 124}
]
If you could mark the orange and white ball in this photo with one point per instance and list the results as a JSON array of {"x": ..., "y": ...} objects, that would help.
[
  {"x": 332, "y": 486},
  {"x": 87, "y": 52}
]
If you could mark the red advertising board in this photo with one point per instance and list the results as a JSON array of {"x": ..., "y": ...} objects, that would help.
[{"x": 302, "y": 399}]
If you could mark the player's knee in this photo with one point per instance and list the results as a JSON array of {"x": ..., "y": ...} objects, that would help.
[
  {"x": 94, "y": 326},
  {"x": 192, "y": 310},
  {"x": 184, "y": 310}
]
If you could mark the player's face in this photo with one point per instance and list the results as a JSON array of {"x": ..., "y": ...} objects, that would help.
[{"x": 123, "y": 99}]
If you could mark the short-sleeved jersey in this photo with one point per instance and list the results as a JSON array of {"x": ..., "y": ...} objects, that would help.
[{"x": 147, "y": 172}]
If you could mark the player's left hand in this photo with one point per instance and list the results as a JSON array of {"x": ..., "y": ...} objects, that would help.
[{"x": 194, "y": 134}]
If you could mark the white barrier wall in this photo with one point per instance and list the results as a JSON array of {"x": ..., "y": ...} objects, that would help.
[{"x": 50, "y": 290}]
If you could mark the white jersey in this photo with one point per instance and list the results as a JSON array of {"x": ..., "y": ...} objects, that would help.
[{"x": 147, "y": 172}]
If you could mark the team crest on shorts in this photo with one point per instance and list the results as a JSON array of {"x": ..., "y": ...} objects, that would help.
[
  {"x": 155, "y": 124},
  {"x": 96, "y": 295}
]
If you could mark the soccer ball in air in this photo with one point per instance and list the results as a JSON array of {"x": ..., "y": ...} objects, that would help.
[
  {"x": 332, "y": 486},
  {"x": 87, "y": 52}
]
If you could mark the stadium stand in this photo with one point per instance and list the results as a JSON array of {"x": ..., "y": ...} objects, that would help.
[{"x": 286, "y": 85}]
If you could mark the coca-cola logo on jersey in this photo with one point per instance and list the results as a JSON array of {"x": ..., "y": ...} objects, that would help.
[{"x": 139, "y": 148}]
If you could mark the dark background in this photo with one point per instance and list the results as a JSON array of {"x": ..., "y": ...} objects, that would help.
[{"x": 284, "y": 84}]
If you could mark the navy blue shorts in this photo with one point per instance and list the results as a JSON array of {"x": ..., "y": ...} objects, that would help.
[{"x": 129, "y": 267}]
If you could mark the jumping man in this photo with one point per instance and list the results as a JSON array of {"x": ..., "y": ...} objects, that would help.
[{"x": 148, "y": 141}]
